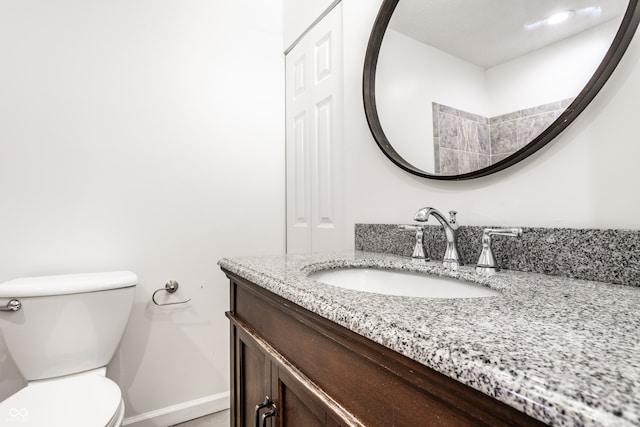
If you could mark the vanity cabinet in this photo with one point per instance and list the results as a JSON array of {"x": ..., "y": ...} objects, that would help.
[{"x": 318, "y": 373}]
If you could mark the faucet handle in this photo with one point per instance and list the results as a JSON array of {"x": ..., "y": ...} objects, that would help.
[
  {"x": 452, "y": 216},
  {"x": 418, "y": 249},
  {"x": 512, "y": 232},
  {"x": 487, "y": 263}
]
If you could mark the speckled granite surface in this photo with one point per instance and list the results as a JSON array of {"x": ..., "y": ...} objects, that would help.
[
  {"x": 603, "y": 255},
  {"x": 564, "y": 351}
]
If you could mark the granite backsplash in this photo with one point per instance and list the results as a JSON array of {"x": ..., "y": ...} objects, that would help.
[{"x": 611, "y": 256}]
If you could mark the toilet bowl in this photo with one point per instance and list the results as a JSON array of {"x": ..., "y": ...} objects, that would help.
[
  {"x": 61, "y": 338},
  {"x": 80, "y": 400}
]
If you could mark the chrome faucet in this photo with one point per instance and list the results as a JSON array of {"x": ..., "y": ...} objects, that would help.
[{"x": 452, "y": 258}]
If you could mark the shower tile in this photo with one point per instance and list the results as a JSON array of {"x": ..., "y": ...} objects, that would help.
[
  {"x": 448, "y": 161},
  {"x": 449, "y": 131},
  {"x": 505, "y": 117},
  {"x": 484, "y": 139},
  {"x": 497, "y": 157},
  {"x": 503, "y": 137},
  {"x": 467, "y": 162},
  {"x": 448, "y": 110},
  {"x": 528, "y": 128},
  {"x": 436, "y": 155},
  {"x": 495, "y": 138},
  {"x": 541, "y": 109},
  {"x": 468, "y": 138},
  {"x": 470, "y": 116},
  {"x": 483, "y": 161}
]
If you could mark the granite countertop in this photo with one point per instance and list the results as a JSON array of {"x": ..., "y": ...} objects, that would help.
[{"x": 564, "y": 351}]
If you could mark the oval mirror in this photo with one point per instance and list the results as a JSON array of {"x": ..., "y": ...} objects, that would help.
[{"x": 458, "y": 89}]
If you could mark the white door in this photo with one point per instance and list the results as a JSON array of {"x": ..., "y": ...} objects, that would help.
[{"x": 314, "y": 104}]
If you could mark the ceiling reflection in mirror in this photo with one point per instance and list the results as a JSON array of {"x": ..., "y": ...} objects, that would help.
[{"x": 461, "y": 85}]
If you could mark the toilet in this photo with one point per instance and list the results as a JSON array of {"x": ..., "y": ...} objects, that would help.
[{"x": 61, "y": 338}]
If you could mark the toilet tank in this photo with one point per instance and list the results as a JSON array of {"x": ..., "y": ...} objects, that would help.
[{"x": 67, "y": 324}]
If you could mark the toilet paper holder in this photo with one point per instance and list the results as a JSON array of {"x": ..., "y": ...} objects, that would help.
[{"x": 171, "y": 286}]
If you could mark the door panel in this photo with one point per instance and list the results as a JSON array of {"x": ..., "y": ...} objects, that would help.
[
  {"x": 254, "y": 372},
  {"x": 314, "y": 102},
  {"x": 297, "y": 407}
]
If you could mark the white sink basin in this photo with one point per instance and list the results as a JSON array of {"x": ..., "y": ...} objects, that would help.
[{"x": 402, "y": 283}]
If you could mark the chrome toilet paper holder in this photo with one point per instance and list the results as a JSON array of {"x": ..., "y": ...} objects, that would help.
[{"x": 171, "y": 286}]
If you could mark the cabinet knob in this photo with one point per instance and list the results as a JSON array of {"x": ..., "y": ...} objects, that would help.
[{"x": 259, "y": 406}]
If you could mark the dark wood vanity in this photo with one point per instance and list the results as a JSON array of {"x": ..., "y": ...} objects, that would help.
[{"x": 317, "y": 373}]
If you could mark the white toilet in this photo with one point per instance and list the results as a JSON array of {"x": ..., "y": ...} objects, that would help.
[{"x": 61, "y": 339}]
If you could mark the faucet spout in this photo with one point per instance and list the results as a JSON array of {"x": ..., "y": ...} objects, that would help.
[
  {"x": 423, "y": 215},
  {"x": 452, "y": 257}
]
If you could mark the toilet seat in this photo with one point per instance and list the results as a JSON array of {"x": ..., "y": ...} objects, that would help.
[{"x": 81, "y": 400}]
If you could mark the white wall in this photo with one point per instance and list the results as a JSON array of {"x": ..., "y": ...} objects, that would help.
[
  {"x": 407, "y": 82},
  {"x": 556, "y": 72},
  {"x": 299, "y": 15},
  {"x": 585, "y": 178},
  {"x": 145, "y": 135}
]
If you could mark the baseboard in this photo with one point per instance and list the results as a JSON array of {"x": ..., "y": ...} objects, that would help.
[{"x": 181, "y": 412}]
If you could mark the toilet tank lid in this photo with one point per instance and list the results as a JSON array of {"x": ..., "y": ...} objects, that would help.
[{"x": 67, "y": 284}]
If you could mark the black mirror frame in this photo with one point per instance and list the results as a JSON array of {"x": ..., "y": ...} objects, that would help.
[{"x": 611, "y": 59}]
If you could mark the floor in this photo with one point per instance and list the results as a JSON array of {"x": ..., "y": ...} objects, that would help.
[{"x": 219, "y": 419}]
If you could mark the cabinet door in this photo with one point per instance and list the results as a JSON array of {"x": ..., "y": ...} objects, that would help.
[
  {"x": 252, "y": 378},
  {"x": 258, "y": 371},
  {"x": 297, "y": 407}
]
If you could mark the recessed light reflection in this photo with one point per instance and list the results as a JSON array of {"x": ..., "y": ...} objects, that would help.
[
  {"x": 559, "y": 17},
  {"x": 562, "y": 16}
]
